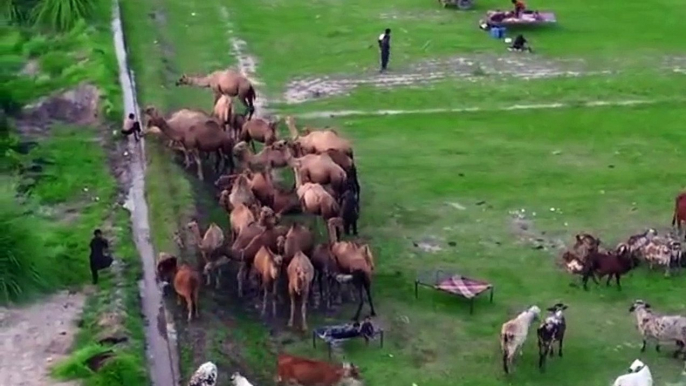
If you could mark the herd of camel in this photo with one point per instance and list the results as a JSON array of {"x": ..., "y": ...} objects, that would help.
[{"x": 266, "y": 249}]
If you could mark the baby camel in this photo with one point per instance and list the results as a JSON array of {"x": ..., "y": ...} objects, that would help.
[
  {"x": 300, "y": 276},
  {"x": 186, "y": 281},
  {"x": 213, "y": 240}
]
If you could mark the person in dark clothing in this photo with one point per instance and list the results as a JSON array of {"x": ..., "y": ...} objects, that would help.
[
  {"x": 99, "y": 257},
  {"x": 519, "y": 7},
  {"x": 385, "y": 47},
  {"x": 132, "y": 126},
  {"x": 520, "y": 44}
]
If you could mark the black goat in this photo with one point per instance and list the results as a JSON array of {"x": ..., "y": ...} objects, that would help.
[{"x": 550, "y": 331}]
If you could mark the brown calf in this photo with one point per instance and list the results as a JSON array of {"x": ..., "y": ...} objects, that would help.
[
  {"x": 308, "y": 372},
  {"x": 679, "y": 212},
  {"x": 185, "y": 279}
]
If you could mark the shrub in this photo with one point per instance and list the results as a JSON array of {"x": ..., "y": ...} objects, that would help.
[
  {"x": 121, "y": 370},
  {"x": 62, "y": 15}
]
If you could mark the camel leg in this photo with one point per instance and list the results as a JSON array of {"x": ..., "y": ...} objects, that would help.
[
  {"x": 239, "y": 278},
  {"x": 360, "y": 304},
  {"x": 189, "y": 306},
  {"x": 290, "y": 320},
  {"x": 274, "y": 292},
  {"x": 196, "y": 156},
  {"x": 264, "y": 300},
  {"x": 218, "y": 277},
  {"x": 178, "y": 299},
  {"x": 196, "y": 302},
  {"x": 367, "y": 288},
  {"x": 303, "y": 310}
]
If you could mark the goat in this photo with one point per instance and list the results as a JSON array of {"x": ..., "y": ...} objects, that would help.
[
  {"x": 513, "y": 334},
  {"x": 638, "y": 375},
  {"x": 659, "y": 328},
  {"x": 610, "y": 263},
  {"x": 205, "y": 375},
  {"x": 350, "y": 212},
  {"x": 679, "y": 215},
  {"x": 185, "y": 279},
  {"x": 658, "y": 252},
  {"x": 238, "y": 380},
  {"x": 308, "y": 372},
  {"x": 551, "y": 330}
]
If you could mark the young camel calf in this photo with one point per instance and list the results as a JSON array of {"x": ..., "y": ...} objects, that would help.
[
  {"x": 186, "y": 281},
  {"x": 300, "y": 276}
]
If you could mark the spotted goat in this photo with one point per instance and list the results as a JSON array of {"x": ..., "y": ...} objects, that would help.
[
  {"x": 550, "y": 331},
  {"x": 659, "y": 328}
]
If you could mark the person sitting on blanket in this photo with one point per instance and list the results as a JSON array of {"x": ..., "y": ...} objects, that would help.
[
  {"x": 520, "y": 44},
  {"x": 519, "y": 7}
]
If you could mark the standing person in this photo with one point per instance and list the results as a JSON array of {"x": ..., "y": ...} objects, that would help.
[
  {"x": 385, "y": 47},
  {"x": 519, "y": 7},
  {"x": 100, "y": 256},
  {"x": 132, "y": 126}
]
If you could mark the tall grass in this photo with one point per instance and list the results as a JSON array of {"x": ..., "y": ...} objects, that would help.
[{"x": 57, "y": 15}]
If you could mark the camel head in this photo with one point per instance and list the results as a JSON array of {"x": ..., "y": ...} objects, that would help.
[
  {"x": 167, "y": 264},
  {"x": 151, "y": 111},
  {"x": 240, "y": 148},
  {"x": 267, "y": 217},
  {"x": 194, "y": 228},
  {"x": 183, "y": 80}
]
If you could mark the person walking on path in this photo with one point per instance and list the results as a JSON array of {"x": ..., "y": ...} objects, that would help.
[
  {"x": 385, "y": 48},
  {"x": 100, "y": 257},
  {"x": 131, "y": 126}
]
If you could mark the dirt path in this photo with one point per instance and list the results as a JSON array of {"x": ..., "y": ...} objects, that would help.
[{"x": 34, "y": 338}]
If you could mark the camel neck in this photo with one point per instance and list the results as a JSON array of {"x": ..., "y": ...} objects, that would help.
[{"x": 199, "y": 81}]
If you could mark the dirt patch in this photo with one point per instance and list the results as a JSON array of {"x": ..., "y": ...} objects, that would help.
[
  {"x": 468, "y": 67},
  {"x": 523, "y": 227},
  {"x": 429, "y": 244},
  {"x": 34, "y": 338}
]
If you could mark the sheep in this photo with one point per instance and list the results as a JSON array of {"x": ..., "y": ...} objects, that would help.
[
  {"x": 551, "y": 330},
  {"x": 639, "y": 375},
  {"x": 205, "y": 375},
  {"x": 238, "y": 380},
  {"x": 513, "y": 334},
  {"x": 659, "y": 328}
]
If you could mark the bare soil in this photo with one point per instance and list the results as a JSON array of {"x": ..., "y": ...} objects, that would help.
[{"x": 34, "y": 338}]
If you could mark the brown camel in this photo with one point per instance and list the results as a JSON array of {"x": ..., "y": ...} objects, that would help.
[
  {"x": 226, "y": 82},
  {"x": 186, "y": 281},
  {"x": 223, "y": 110},
  {"x": 300, "y": 276},
  {"x": 208, "y": 244},
  {"x": 314, "y": 199},
  {"x": 298, "y": 238},
  {"x": 241, "y": 192},
  {"x": 241, "y": 217},
  {"x": 259, "y": 130},
  {"x": 319, "y": 141},
  {"x": 355, "y": 260},
  {"x": 271, "y": 156},
  {"x": 196, "y": 133},
  {"x": 268, "y": 265},
  {"x": 320, "y": 169},
  {"x": 286, "y": 201}
]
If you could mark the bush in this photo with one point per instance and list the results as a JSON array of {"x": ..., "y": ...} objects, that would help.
[
  {"x": 62, "y": 15},
  {"x": 121, "y": 370}
]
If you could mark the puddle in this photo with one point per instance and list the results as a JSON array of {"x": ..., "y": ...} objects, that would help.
[{"x": 159, "y": 328}]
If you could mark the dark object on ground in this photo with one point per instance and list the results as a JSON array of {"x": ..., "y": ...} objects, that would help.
[
  {"x": 453, "y": 284},
  {"x": 336, "y": 335},
  {"x": 520, "y": 44},
  {"x": 459, "y": 4},
  {"x": 97, "y": 361}
]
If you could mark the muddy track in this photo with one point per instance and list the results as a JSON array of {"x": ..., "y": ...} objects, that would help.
[{"x": 474, "y": 67}]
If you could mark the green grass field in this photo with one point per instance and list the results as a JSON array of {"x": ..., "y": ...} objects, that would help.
[{"x": 609, "y": 170}]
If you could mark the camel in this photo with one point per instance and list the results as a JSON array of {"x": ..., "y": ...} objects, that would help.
[
  {"x": 353, "y": 259},
  {"x": 259, "y": 130},
  {"x": 348, "y": 166},
  {"x": 314, "y": 199},
  {"x": 241, "y": 217},
  {"x": 196, "y": 132},
  {"x": 208, "y": 244},
  {"x": 186, "y": 281},
  {"x": 268, "y": 265},
  {"x": 350, "y": 212},
  {"x": 298, "y": 238},
  {"x": 223, "y": 110},
  {"x": 318, "y": 141},
  {"x": 271, "y": 156},
  {"x": 225, "y": 82},
  {"x": 240, "y": 193},
  {"x": 286, "y": 202},
  {"x": 320, "y": 169},
  {"x": 300, "y": 275}
]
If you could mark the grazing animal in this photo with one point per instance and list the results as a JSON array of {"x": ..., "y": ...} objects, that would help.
[
  {"x": 259, "y": 130},
  {"x": 223, "y": 111},
  {"x": 350, "y": 212},
  {"x": 348, "y": 165},
  {"x": 314, "y": 199},
  {"x": 271, "y": 156},
  {"x": 298, "y": 238},
  {"x": 585, "y": 244},
  {"x": 355, "y": 260},
  {"x": 226, "y": 82},
  {"x": 319, "y": 141},
  {"x": 186, "y": 281},
  {"x": 240, "y": 193},
  {"x": 608, "y": 263},
  {"x": 326, "y": 270},
  {"x": 320, "y": 169},
  {"x": 196, "y": 132},
  {"x": 679, "y": 215},
  {"x": 636, "y": 243},
  {"x": 286, "y": 202},
  {"x": 241, "y": 217},
  {"x": 205, "y": 375},
  {"x": 300, "y": 276},
  {"x": 659, "y": 328},
  {"x": 658, "y": 251},
  {"x": 550, "y": 331},
  {"x": 513, "y": 334},
  {"x": 309, "y": 372},
  {"x": 208, "y": 244},
  {"x": 638, "y": 375},
  {"x": 238, "y": 380},
  {"x": 268, "y": 265}
]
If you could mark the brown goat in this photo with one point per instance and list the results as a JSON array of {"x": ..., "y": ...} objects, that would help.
[
  {"x": 268, "y": 265},
  {"x": 185, "y": 279},
  {"x": 609, "y": 263},
  {"x": 679, "y": 215},
  {"x": 300, "y": 275}
]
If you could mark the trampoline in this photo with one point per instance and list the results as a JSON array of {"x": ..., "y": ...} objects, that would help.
[{"x": 454, "y": 284}]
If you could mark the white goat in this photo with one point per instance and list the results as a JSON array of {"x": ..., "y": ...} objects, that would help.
[
  {"x": 659, "y": 328},
  {"x": 639, "y": 375},
  {"x": 513, "y": 334},
  {"x": 205, "y": 375},
  {"x": 238, "y": 380}
]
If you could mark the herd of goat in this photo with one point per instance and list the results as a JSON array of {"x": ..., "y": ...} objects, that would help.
[{"x": 327, "y": 189}]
